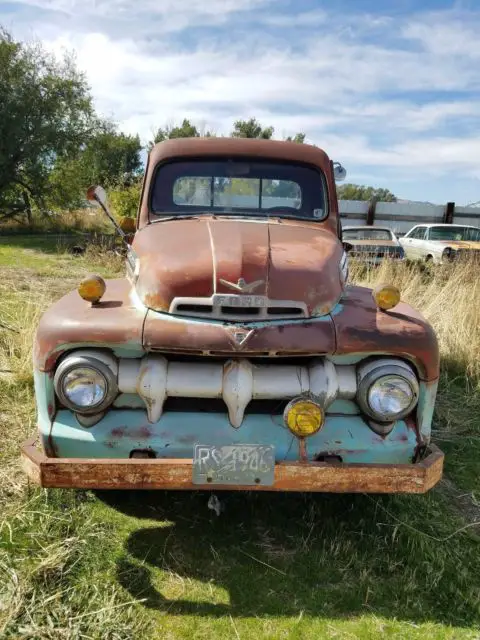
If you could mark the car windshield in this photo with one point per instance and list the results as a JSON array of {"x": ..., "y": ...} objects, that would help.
[
  {"x": 367, "y": 234},
  {"x": 239, "y": 187},
  {"x": 454, "y": 233}
]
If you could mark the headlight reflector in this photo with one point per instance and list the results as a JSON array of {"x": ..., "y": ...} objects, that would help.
[
  {"x": 84, "y": 387},
  {"x": 387, "y": 390},
  {"x": 390, "y": 395},
  {"x": 85, "y": 384}
]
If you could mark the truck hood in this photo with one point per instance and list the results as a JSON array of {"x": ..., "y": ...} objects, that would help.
[{"x": 196, "y": 258}]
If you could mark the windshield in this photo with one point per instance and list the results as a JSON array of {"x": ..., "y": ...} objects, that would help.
[
  {"x": 367, "y": 234},
  {"x": 239, "y": 186},
  {"x": 454, "y": 233}
]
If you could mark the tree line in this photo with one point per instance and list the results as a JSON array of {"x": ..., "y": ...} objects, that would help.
[{"x": 53, "y": 144}]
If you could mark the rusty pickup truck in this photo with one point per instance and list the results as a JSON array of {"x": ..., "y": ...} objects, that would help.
[{"x": 235, "y": 354}]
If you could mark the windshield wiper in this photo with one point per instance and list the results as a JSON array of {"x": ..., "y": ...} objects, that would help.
[{"x": 180, "y": 216}]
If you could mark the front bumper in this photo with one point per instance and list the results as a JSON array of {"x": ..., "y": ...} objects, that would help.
[{"x": 168, "y": 473}]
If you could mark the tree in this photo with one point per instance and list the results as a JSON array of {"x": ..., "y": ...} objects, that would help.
[
  {"x": 111, "y": 157},
  {"x": 359, "y": 192},
  {"x": 251, "y": 129},
  {"x": 185, "y": 130},
  {"x": 46, "y": 115},
  {"x": 298, "y": 137}
]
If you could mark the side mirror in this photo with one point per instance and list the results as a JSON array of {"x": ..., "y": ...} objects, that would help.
[
  {"x": 339, "y": 172},
  {"x": 97, "y": 196}
]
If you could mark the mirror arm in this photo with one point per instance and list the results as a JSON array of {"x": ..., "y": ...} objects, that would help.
[{"x": 112, "y": 220}]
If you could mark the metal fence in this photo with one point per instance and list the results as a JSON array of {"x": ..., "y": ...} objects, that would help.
[{"x": 402, "y": 216}]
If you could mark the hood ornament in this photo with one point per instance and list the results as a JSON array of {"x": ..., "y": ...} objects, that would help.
[
  {"x": 239, "y": 336},
  {"x": 242, "y": 286}
]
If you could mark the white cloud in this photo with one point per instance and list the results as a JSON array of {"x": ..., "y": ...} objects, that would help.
[
  {"x": 169, "y": 15},
  {"x": 447, "y": 34},
  {"x": 305, "y": 19},
  {"x": 360, "y": 86}
]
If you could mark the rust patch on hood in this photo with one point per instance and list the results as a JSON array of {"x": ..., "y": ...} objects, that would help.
[{"x": 284, "y": 260}]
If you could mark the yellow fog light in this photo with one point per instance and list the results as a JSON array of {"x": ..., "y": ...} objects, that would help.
[
  {"x": 92, "y": 289},
  {"x": 303, "y": 417},
  {"x": 386, "y": 296}
]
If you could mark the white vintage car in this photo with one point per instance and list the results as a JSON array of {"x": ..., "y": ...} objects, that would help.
[{"x": 441, "y": 242}]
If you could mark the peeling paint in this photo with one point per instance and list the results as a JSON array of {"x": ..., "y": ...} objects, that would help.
[{"x": 351, "y": 438}]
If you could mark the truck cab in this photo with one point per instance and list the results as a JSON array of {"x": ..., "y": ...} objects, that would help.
[{"x": 235, "y": 354}]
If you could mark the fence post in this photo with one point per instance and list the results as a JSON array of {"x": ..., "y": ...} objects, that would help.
[
  {"x": 449, "y": 213},
  {"x": 371, "y": 211}
]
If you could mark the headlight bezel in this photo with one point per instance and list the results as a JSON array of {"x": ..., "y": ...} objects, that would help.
[
  {"x": 372, "y": 373},
  {"x": 78, "y": 361}
]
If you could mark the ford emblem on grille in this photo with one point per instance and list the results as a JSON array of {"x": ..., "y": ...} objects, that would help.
[{"x": 240, "y": 336}]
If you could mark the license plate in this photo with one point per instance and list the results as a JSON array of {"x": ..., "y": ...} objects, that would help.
[
  {"x": 246, "y": 464},
  {"x": 239, "y": 301}
]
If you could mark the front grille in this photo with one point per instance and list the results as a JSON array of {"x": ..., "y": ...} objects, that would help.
[
  {"x": 217, "y": 405},
  {"x": 238, "y": 308},
  {"x": 368, "y": 251},
  {"x": 231, "y": 386}
]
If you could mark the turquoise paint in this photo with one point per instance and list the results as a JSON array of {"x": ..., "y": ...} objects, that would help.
[
  {"x": 425, "y": 407},
  {"x": 44, "y": 396},
  {"x": 337, "y": 309},
  {"x": 44, "y": 399},
  {"x": 128, "y": 401},
  {"x": 175, "y": 434},
  {"x": 344, "y": 407}
]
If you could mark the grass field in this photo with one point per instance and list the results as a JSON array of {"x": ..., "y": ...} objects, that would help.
[{"x": 78, "y": 564}]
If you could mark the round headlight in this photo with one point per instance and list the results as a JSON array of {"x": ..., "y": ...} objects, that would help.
[
  {"x": 387, "y": 391},
  {"x": 84, "y": 387},
  {"x": 85, "y": 384}
]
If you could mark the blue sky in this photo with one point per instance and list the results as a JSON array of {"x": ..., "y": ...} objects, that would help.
[{"x": 391, "y": 89}]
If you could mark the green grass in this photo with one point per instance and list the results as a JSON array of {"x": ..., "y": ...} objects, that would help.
[{"x": 117, "y": 565}]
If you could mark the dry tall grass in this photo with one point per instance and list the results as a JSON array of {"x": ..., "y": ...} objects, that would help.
[
  {"x": 86, "y": 220},
  {"x": 47, "y": 539}
]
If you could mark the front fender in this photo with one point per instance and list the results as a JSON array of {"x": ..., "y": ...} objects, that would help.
[{"x": 362, "y": 329}]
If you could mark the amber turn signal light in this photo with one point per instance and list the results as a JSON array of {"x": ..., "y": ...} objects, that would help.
[
  {"x": 304, "y": 417},
  {"x": 386, "y": 296},
  {"x": 92, "y": 288}
]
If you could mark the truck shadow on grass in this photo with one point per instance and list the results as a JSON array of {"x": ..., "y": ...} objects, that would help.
[{"x": 282, "y": 555}]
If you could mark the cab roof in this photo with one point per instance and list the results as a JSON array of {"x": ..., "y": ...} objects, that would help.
[{"x": 251, "y": 147}]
